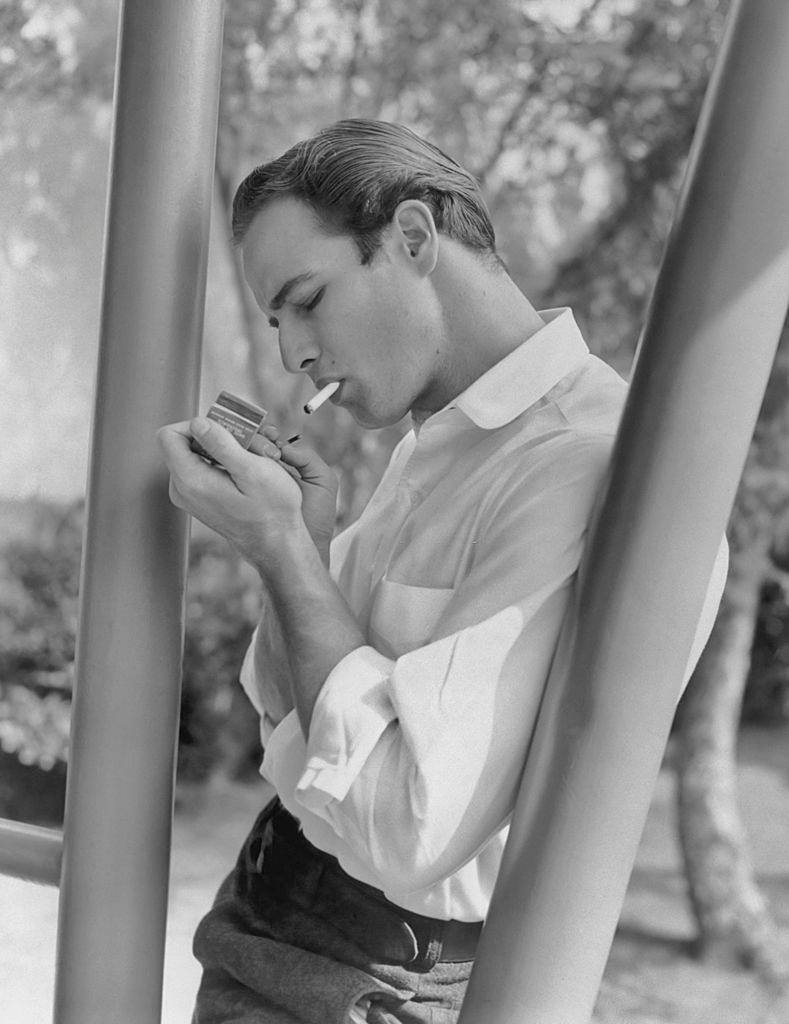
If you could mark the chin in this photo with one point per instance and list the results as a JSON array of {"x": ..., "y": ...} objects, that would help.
[{"x": 375, "y": 420}]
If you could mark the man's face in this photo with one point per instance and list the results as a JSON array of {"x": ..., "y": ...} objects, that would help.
[{"x": 377, "y": 328}]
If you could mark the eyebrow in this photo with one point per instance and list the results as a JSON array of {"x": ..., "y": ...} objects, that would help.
[{"x": 279, "y": 299}]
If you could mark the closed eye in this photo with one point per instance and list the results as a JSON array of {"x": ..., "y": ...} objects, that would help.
[
  {"x": 305, "y": 307},
  {"x": 313, "y": 302}
]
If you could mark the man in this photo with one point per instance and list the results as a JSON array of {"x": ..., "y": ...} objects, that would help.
[{"x": 398, "y": 676}]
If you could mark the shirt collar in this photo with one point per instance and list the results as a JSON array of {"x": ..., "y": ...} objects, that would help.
[{"x": 528, "y": 373}]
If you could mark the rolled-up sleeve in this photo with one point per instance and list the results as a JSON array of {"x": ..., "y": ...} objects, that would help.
[
  {"x": 251, "y": 687},
  {"x": 414, "y": 761},
  {"x": 353, "y": 711}
]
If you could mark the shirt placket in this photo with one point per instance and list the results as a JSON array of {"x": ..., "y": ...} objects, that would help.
[
  {"x": 428, "y": 462},
  {"x": 393, "y": 519}
]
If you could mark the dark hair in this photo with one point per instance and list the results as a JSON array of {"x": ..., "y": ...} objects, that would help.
[{"x": 355, "y": 173}]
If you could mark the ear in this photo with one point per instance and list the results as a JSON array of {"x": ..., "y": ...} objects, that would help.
[{"x": 415, "y": 235}]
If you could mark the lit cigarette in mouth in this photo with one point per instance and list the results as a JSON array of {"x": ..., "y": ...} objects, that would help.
[{"x": 323, "y": 396}]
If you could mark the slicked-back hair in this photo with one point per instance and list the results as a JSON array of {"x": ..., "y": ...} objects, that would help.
[{"x": 355, "y": 173}]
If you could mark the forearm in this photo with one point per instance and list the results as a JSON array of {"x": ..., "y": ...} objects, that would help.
[
  {"x": 317, "y": 626},
  {"x": 271, "y": 663},
  {"x": 260, "y": 509}
]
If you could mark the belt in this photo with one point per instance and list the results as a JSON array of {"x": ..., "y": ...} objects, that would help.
[{"x": 278, "y": 857}]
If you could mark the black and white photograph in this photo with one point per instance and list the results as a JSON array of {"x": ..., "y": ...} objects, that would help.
[{"x": 394, "y": 512}]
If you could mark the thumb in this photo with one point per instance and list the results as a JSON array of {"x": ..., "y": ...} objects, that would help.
[
  {"x": 311, "y": 467},
  {"x": 220, "y": 444}
]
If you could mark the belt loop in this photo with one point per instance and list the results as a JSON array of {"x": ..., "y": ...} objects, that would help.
[
  {"x": 265, "y": 842},
  {"x": 259, "y": 840},
  {"x": 429, "y": 952}
]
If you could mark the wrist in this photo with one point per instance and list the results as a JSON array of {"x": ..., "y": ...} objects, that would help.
[{"x": 292, "y": 552}]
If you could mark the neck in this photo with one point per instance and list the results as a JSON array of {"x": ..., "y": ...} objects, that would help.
[
  {"x": 486, "y": 316},
  {"x": 494, "y": 317}
]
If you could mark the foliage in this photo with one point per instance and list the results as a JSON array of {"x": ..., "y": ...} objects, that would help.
[
  {"x": 219, "y": 728},
  {"x": 766, "y": 696},
  {"x": 39, "y": 576},
  {"x": 39, "y": 573},
  {"x": 576, "y": 115},
  {"x": 759, "y": 536}
]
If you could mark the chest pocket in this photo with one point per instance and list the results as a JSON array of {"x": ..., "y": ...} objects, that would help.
[{"x": 404, "y": 617}]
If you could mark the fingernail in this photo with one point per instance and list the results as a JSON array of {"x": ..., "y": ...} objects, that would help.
[{"x": 199, "y": 426}]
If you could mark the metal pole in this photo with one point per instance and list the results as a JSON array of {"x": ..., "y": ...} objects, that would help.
[
  {"x": 710, "y": 341},
  {"x": 114, "y": 884},
  {"x": 30, "y": 852}
]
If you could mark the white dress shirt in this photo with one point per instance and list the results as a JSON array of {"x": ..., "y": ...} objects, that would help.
[{"x": 459, "y": 572}]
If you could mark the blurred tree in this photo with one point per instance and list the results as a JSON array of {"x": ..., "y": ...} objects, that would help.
[
  {"x": 56, "y": 64},
  {"x": 39, "y": 575},
  {"x": 608, "y": 279},
  {"x": 766, "y": 698},
  {"x": 575, "y": 114},
  {"x": 735, "y": 924},
  {"x": 218, "y": 731},
  {"x": 571, "y": 113}
]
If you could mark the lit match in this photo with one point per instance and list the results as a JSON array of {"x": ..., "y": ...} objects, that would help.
[{"x": 323, "y": 396}]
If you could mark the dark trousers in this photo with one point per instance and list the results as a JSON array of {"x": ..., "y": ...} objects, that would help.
[{"x": 293, "y": 939}]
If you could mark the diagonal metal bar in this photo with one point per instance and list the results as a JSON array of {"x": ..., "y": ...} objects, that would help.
[
  {"x": 113, "y": 895},
  {"x": 705, "y": 357},
  {"x": 30, "y": 852}
]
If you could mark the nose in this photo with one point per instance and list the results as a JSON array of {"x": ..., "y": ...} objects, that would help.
[{"x": 297, "y": 348}]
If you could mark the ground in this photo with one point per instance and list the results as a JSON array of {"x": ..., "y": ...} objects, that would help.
[{"x": 651, "y": 976}]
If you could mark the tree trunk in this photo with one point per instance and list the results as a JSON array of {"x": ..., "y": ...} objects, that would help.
[
  {"x": 255, "y": 368},
  {"x": 734, "y": 922},
  {"x": 266, "y": 381}
]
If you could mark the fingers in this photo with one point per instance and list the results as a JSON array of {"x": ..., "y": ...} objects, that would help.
[
  {"x": 169, "y": 435},
  {"x": 219, "y": 495},
  {"x": 273, "y": 433},
  {"x": 175, "y": 496},
  {"x": 175, "y": 443},
  {"x": 310, "y": 466},
  {"x": 187, "y": 469},
  {"x": 263, "y": 445},
  {"x": 220, "y": 444},
  {"x": 300, "y": 455},
  {"x": 268, "y": 442}
]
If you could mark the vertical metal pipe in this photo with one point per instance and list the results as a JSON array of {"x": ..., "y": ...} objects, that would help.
[
  {"x": 114, "y": 882},
  {"x": 705, "y": 357}
]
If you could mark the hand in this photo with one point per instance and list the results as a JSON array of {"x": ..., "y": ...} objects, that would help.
[
  {"x": 317, "y": 481},
  {"x": 251, "y": 501}
]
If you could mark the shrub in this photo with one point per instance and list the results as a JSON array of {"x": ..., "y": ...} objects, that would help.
[
  {"x": 39, "y": 573},
  {"x": 39, "y": 576},
  {"x": 219, "y": 728},
  {"x": 766, "y": 698}
]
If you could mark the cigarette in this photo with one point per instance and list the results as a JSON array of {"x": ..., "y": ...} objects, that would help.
[{"x": 323, "y": 395}]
